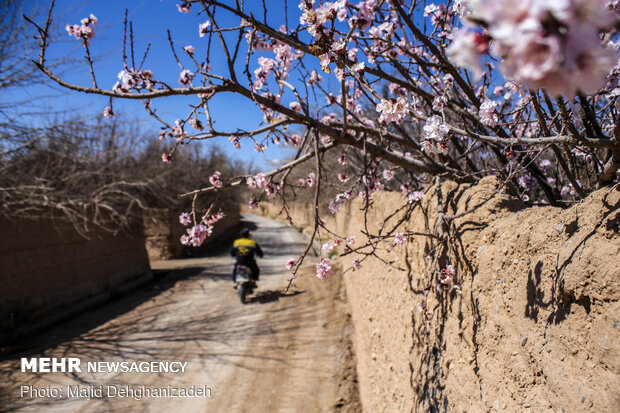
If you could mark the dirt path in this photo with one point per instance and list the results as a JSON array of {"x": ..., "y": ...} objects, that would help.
[{"x": 279, "y": 353}]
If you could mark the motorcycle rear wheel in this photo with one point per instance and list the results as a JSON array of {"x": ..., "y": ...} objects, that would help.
[{"x": 242, "y": 293}]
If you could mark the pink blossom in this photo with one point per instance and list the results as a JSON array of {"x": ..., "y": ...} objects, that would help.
[
  {"x": 311, "y": 179},
  {"x": 464, "y": 51},
  {"x": 342, "y": 177},
  {"x": 235, "y": 142},
  {"x": 416, "y": 196},
  {"x": 253, "y": 203},
  {"x": 323, "y": 269},
  {"x": 296, "y": 106},
  {"x": 487, "y": 113},
  {"x": 326, "y": 139},
  {"x": 399, "y": 239},
  {"x": 592, "y": 64},
  {"x": 314, "y": 78},
  {"x": 350, "y": 240},
  {"x": 339, "y": 46},
  {"x": 439, "y": 103},
  {"x": 445, "y": 279},
  {"x": 215, "y": 179},
  {"x": 393, "y": 110},
  {"x": 189, "y": 50},
  {"x": 212, "y": 219},
  {"x": 185, "y": 7},
  {"x": 358, "y": 67},
  {"x": 388, "y": 174},
  {"x": 430, "y": 9},
  {"x": 185, "y": 219},
  {"x": 196, "y": 124},
  {"x": 342, "y": 159},
  {"x": 185, "y": 77},
  {"x": 271, "y": 190},
  {"x": 203, "y": 28},
  {"x": 132, "y": 78},
  {"x": 261, "y": 180},
  {"x": 178, "y": 131},
  {"x": 435, "y": 128},
  {"x": 259, "y": 147},
  {"x": 166, "y": 158},
  {"x": 296, "y": 140},
  {"x": 108, "y": 113},
  {"x": 339, "y": 72},
  {"x": 290, "y": 263},
  {"x": 327, "y": 248},
  {"x": 537, "y": 54},
  {"x": 251, "y": 182},
  {"x": 365, "y": 15},
  {"x": 356, "y": 264}
]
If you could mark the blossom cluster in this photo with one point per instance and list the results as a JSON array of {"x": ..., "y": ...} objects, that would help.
[
  {"x": 132, "y": 78},
  {"x": 185, "y": 77},
  {"x": 340, "y": 200},
  {"x": 550, "y": 44},
  {"x": 445, "y": 281},
  {"x": 198, "y": 233},
  {"x": 85, "y": 30},
  {"x": 415, "y": 196},
  {"x": 323, "y": 268},
  {"x": 433, "y": 135},
  {"x": 393, "y": 110},
  {"x": 215, "y": 179}
]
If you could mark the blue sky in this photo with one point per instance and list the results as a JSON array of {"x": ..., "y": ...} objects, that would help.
[{"x": 151, "y": 19}]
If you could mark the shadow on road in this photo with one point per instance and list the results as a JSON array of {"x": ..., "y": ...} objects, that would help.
[
  {"x": 75, "y": 327},
  {"x": 263, "y": 297}
]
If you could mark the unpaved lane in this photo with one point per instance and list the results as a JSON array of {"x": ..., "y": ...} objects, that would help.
[{"x": 279, "y": 353}]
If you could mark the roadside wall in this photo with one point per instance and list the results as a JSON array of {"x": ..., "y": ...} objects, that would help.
[
  {"x": 46, "y": 267},
  {"x": 535, "y": 329}
]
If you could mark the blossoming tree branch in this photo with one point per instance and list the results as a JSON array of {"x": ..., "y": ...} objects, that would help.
[{"x": 403, "y": 93}]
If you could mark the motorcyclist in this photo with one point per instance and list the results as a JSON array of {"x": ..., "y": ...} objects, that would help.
[{"x": 243, "y": 250}]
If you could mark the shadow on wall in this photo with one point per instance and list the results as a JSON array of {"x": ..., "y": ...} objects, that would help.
[{"x": 536, "y": 325}]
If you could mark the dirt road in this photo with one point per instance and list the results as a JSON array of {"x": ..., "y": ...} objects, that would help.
[{"x": 282, "y": 352}]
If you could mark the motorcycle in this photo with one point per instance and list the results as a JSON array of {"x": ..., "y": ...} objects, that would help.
[{"x": 243, "y": 282}]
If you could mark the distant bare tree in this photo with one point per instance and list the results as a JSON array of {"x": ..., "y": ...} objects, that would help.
[{"x": 100, "y": 173}]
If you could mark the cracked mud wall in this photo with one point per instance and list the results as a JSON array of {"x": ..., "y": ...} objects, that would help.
[{"x": 536, "y": 327}]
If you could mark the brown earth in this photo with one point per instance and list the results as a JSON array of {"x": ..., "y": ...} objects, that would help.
[
  {"x": 536, "y": 328},
  {"x": 282, "y": 352}
]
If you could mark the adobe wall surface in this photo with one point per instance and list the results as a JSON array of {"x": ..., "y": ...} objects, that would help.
[
  {"x": 46, "y": 266},
  {"x": 536, "y": 327}
]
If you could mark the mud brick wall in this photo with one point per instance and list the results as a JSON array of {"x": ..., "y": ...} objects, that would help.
[
  {"x": 535, "y": 329},
  {"x": 46, "y": 267}
]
